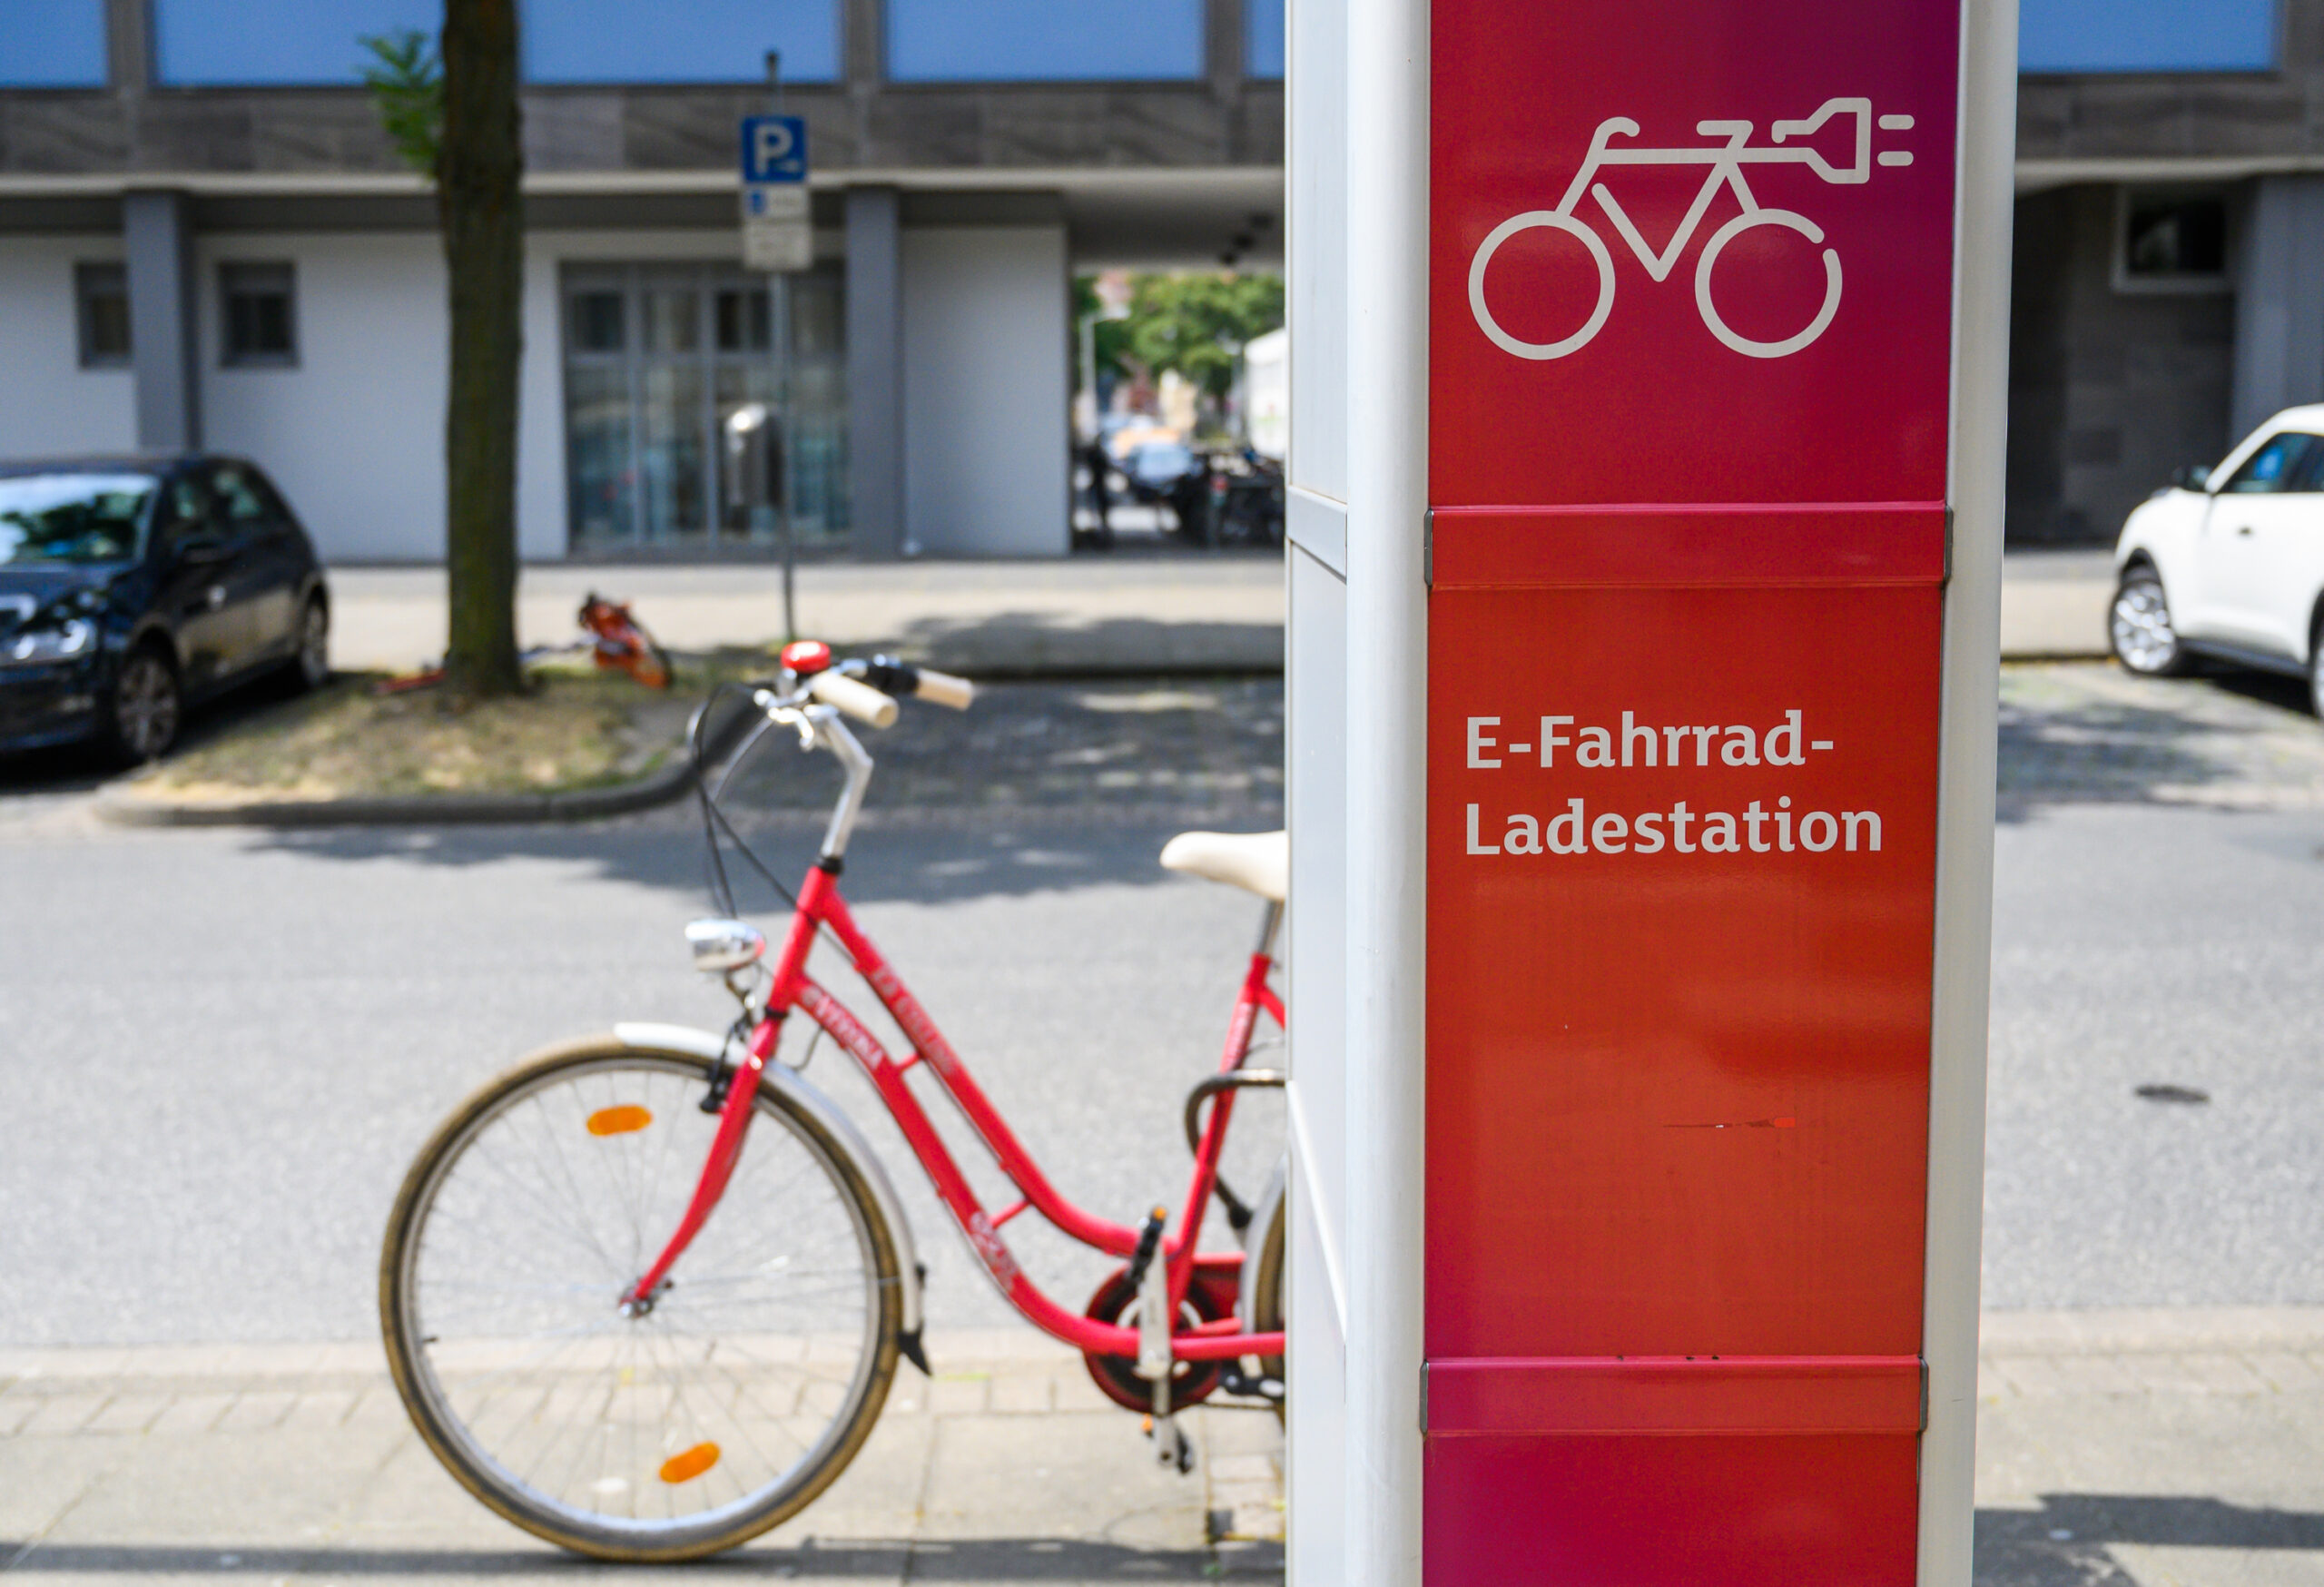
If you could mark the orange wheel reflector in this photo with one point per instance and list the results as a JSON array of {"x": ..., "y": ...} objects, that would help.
[
  {"x": 623, "y": 1120},
  {"x": 689, "y": 1463}
]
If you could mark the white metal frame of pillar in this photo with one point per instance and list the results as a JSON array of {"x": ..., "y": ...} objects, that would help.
[
  {"x": 1387, "y": 696},
  {"x": 1967, "y": 752}
]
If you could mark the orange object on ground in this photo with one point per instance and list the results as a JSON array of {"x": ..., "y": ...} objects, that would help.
[{"x": 623, "y": 643}]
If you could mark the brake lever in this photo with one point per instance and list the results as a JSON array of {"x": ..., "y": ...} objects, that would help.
[{"x": 789, "y": 716}]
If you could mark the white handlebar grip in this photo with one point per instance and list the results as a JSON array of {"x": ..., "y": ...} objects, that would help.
[
  {"x": 860, "y": 701},
  {"x": 945, "y": 689}
]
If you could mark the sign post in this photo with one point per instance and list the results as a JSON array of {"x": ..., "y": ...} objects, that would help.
[{"x": 1715, "y": 297}]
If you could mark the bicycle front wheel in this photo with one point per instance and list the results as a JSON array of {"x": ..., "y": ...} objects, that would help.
[{"x": 719, "y": 1411}]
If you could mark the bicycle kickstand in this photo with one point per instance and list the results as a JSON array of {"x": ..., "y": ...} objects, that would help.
[{"x": 1171, "y": 1446}]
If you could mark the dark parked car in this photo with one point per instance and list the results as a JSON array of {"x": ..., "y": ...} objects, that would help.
[{"x": 132, "y": 587}]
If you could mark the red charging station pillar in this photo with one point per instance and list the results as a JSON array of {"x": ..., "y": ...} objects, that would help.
[{"x": 1714, "y": 299}]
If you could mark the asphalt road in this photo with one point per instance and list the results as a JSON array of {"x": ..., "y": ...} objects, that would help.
[{"x": 218, "y": 1049}]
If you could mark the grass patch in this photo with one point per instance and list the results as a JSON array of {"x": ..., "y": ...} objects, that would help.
[{"x": 574, "y": 728}]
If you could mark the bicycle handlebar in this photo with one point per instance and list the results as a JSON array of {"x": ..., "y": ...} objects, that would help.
[{"x": 860, "y": 701}]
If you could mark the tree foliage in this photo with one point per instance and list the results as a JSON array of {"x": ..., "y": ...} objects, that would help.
[
  {"x": 406, "y": 77},
  {"x": 1196, "y": 323}
]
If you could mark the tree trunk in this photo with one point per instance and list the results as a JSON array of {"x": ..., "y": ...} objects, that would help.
[{"x": 479, "y": 163}]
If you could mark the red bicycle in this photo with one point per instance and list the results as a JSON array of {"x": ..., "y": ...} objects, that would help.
[{"x": 644, "y": 1294}]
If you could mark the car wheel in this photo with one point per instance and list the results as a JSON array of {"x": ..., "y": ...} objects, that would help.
[
  {"x": 2139, "y": 626},
  {"x": 2315, "y": 670},
  {"x": 142, "y": 713},
  {"x": 310, "y": 668}
]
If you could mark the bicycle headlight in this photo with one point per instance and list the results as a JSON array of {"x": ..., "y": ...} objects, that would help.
[{"x": 65, "y": 641}]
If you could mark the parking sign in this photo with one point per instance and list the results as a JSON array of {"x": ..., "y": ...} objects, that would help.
[
  {"x": 777, "y": 233},
  {"x": 774, "y": 149}
]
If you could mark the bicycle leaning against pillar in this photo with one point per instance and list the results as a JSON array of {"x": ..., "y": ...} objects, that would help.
[{"x": 644, "y": 1294}]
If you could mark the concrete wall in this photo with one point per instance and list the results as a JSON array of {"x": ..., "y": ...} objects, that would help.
[
  {"x": 2109, "y": 390},
  {"x": 986, "y": 377},
  {"x": 354, "y": 433},
  {"x": 48, "y": 404}
]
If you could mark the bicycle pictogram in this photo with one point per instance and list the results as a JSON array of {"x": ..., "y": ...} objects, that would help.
[{"x": 1727, "y": 161}]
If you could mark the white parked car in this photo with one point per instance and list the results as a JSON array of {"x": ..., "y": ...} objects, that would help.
[{"x": 2229, "y": 562}]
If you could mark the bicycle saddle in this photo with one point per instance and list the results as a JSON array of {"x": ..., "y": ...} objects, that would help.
[{"x": 1259, "y": 861}]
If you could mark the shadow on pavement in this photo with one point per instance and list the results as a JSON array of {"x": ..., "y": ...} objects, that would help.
[
  {"x": 979, "y": 1560},
  {"x": 1040, "y": 786},
  {"x": 2084, "y": 734},
  {"x": 1005, "y": 854},
  {"x": 2064, "y": 1542},
  {"x": 1013, "y": 644}
]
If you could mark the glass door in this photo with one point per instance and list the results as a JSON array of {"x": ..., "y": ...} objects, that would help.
[{"x": 657, "y": 358}]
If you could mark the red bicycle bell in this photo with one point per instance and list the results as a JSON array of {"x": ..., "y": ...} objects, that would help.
[{"x": 806, "y": 658}]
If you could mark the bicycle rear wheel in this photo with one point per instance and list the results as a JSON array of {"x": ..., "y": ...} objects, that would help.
[{"x": 719, "y": 1411}]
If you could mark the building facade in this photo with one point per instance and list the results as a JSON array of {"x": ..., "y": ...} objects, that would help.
[
  {"x": 2168, "y": 285},
  {"x": 206, "y": 238}
]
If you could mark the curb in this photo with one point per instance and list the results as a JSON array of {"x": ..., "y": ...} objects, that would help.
[{"x": 656, "y": 788}]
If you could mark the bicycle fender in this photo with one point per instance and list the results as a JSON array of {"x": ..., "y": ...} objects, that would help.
[
  {"x": 1263, "y": 1212},
  {"x": 647, "y": 1038}
]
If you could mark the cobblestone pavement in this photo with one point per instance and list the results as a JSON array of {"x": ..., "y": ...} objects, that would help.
[
  {"x": 2089, "y": 732},
  {"x": 2150, "y": 1449},
  {"x": 273, "y": 1463}
]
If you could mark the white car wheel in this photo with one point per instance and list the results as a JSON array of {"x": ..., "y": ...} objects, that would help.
[{"x": 2139, "y": 626}]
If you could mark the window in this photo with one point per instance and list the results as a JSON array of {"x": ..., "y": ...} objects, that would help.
[
  {"x": 101, "y": 293},
  {"x": 240, "y": 496},
  {"x": 1263, "y": 38},
  {"x": 53, "y": 44},
  {"x": 657, "y": 358},
  {"x": 703, "y": 41},
  {"x": 260, "y": 303},
  {"x": 1084, "y": 41},
  {"x": 227, "y": 44},
  {"x": 2146, "y": 35},
  {"x": 2286, "y": 462},
  {"x": 2173, "y": 242}
]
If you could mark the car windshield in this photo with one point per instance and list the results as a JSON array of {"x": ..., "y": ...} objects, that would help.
[{"x": 72, "y": 517}]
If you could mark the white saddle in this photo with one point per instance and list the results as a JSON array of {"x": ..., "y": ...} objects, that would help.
[{"x": 1259, "y": 861}]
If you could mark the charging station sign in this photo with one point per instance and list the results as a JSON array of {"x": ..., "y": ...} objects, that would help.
[{"x": 1690, "y": 295}]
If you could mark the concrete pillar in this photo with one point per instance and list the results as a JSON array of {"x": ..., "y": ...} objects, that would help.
[
  {"x": 157, "y": 230},
  {"x": 875, "y": 371},
  {"x": 1225, "y": 47},
  {"x": 2279, "y": 300}
]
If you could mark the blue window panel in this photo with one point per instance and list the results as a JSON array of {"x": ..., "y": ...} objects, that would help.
[
  {"x": 264, "y": 42},
  {"x": 2146, "y": 35},
  {"x": 1263, "y": 37},
  {"x": 680, "y": 41},
  {"x": 52, "y": 43},
  {"x": 1044, "y": 40}
]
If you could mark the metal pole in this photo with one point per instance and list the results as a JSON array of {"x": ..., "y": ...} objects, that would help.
[
  {"x": 1964, "y": 839},
  {"x": 779, "y": 441},
  {"x": 1387, "y": 788}
]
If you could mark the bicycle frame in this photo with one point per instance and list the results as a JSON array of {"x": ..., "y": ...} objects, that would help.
[{"x": 820, "y": 906}]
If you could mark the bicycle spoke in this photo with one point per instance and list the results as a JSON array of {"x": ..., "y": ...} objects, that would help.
[{"x": 578, "y": 1409}]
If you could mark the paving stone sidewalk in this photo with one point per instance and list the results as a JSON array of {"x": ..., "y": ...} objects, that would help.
[
  {"x": 2150, "y": 1448},
  {"x": 277, "y": 1464},
  {"x": 2115, "y": 1449}
]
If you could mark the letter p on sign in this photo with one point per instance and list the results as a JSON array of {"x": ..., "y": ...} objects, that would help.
[{"x": 774, "y": 148}]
